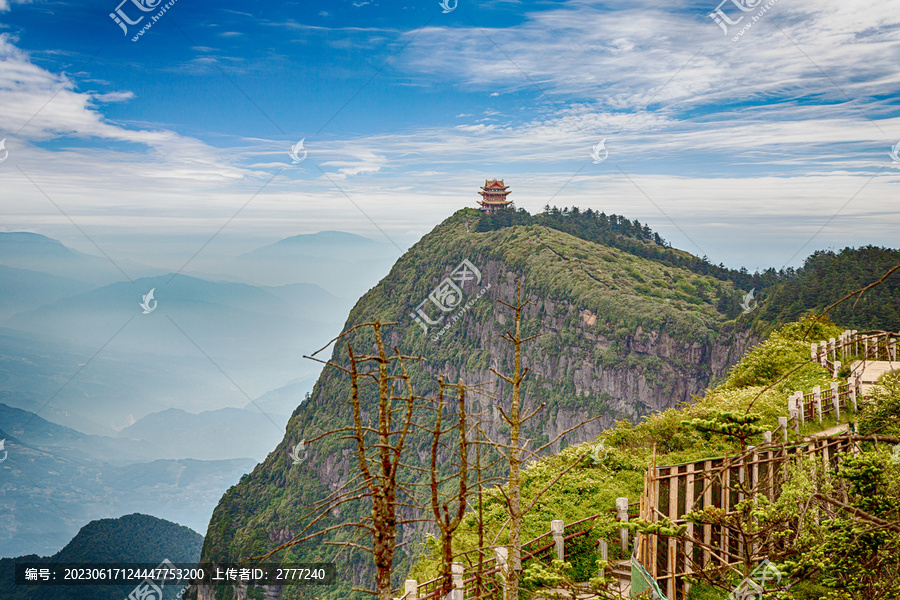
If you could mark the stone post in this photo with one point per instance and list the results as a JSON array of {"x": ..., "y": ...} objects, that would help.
[
  {"x": 604, "y": 554},
  {"x": 851, "y": 381},
  {"x": 622, "y": 510},
  {"x": 893, "y": 349},
  {"x": 558, "y": 529},
  {"x": 501, "y": 555},
  {"x": 411, "y": 590},
  {"x": 832, "y": 348},
  {"x": 853, "y": 337},
  {"x": 458, "y": 589},
  {"x": 783, "y": 423},
  {"x": 801, "y": 407},
  {"x": 817, "y": 399},
  {"x": 814, "y": 351},
  {"x": 837, "y": 368},
  {"x": 767, "y": 436},
  {"x": 823, "y": 352},
  {"x": 836, "y": 400}
]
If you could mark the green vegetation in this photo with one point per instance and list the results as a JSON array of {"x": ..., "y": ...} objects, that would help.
[
  {"x": 784, "y": 296},
  {"x": 133, "y": 538},
  {"x": 595, "y": 322},
  {"x": 825, "y": 278},
  {"x": 627, "y": 324},
  {"x": 678, "y": 435}
]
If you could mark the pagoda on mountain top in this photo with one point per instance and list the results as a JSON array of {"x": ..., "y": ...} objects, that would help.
[{"x": 493, "y": 196}]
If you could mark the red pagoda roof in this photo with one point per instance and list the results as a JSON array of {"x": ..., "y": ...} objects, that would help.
[
  {"x": 493, "y": 195},
  {"x": 494, "y": 185}
]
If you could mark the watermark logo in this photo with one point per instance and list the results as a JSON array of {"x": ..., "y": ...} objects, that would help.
[
  {"x": 895, "y": 454},
  {"x": 5, "y": 453},
  {"x": 148, "y": 298},
  {"x": 152, "y": 587},
  {"x": 599, "y": 452},
  {"x": 895, "y": 152},
  {"x": 296, "y": 451},
  {"x": 749, "y": 304},
  {"x": 296, "y": 149},
  {"x": 753, "y": 586},
  {"x": 445, "y": 4},
  {"x": 5, "y": 154},
  {"x": 122, "y": 19},
  {"x": 448, "y": 296},
  {"x": 600, "y": 147},
  {"x": 726, "y": 22}
]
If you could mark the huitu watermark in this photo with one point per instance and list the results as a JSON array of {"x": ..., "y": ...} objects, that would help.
[
  {"x": 5, "y": 453},
  {"x": 595, "y": 152},
  {"x": 448, "y": 297},
  {"x": 296, "y": 451},
  {"x": 123, "y": 20},
  {"x": 445, "y": 4},
  {"x": 152, "y": 587},
  {"x": 147, "y": 299},
  {"x": 753, "y": 586},
  {"x": 295, "y": 152},
  {"x": 749, "y": 304},
  {"x": 727, "y": 23},
  {"x": 5, "y": 152},
  {"x": 895, "y": 152}
]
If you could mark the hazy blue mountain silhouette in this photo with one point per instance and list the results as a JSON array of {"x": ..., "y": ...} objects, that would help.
[
  {"x": 36, "y": 252},
  {"x": 334, "y": 260},
  {"x": 23, "y": 289},
  {"x": 48, "y": 493}
]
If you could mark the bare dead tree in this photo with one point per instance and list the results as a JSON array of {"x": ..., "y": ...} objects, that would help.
[
  {"x": 514, "y": 450},
  {"x": 447, "y": 520},
  {"x": 379, "y": 449}
]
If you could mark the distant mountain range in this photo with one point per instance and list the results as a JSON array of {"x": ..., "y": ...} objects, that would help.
[
  {"x": 332, "y": 259},
  {"x": 134, "y": 538},
  {"x": 107, "y": 408},
  {"x": 219, "y": 343},
  {"x": 36, "y": 252},
  {"x": 55, "y": 479}
]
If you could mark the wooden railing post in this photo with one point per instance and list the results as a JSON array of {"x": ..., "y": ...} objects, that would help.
[
  {"x": 622, "y": 509},
  {"x": 558, "y": 528},
  {"x": 411, "y": 590}
]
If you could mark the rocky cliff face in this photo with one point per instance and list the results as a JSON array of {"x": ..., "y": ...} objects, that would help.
[{"x": 621, "y": 336}]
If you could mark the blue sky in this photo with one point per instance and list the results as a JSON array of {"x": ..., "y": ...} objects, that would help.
[{"x": 753, "y": 151}]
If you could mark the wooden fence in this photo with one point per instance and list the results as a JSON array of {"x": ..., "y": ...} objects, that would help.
[
  {"x": 863, "y": 345},
  {"x": 488, "y": 574},
  {"x": 672, "y": 491}
]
